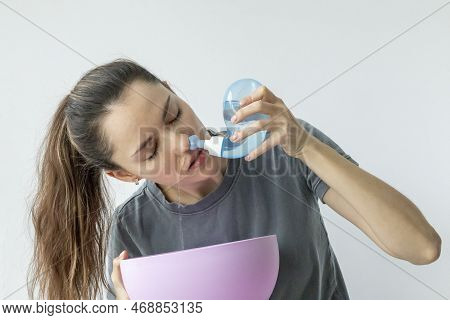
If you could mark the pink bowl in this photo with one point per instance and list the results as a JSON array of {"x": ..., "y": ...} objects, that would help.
[{"x": 239, "y": 270}]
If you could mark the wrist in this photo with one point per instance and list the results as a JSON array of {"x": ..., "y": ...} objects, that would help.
[{"x": 309, "y": 147}]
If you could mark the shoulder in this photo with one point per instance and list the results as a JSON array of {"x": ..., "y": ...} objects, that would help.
[
  {"x": 130, "y": 204},
  {"x": 124, "y": 218}
]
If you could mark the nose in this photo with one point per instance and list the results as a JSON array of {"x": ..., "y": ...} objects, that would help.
[
  {"x": 178, "y": 147},
  {"x": 180, "y": 140},
  {"x": 180, "y": 144},
  {"x": 175, "y": 143}
]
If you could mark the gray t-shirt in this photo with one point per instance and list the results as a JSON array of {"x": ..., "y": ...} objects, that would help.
[{"x": 272, "y": 194}]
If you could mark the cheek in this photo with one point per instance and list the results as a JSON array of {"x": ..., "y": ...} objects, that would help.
[
  {"x": 169, "y": 165},
  {"x": 163, "y": 168}
]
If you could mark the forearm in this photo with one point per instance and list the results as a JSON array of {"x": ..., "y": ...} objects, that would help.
[{"x": 395, "y": 220}]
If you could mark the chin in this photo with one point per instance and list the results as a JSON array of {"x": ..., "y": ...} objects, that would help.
[{"x": 201, "y": 174}]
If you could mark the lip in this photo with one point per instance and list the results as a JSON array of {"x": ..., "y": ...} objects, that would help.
[
  {"x": 198, "y": 161},
  {"x": 194, "y": 157}
]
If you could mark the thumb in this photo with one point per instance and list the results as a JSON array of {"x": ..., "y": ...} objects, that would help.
[{"x": 123, "y": 255}]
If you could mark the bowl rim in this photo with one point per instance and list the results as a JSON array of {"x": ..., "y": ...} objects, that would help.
[{"x": 199, "y": 248}]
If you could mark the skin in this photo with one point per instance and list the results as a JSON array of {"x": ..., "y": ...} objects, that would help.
[{"x": 386, "y": 216}]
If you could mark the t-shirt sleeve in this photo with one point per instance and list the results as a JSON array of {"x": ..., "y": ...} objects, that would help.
[
  {"x": 119, "y": 240},
  {"x": 317, "y": 185}
]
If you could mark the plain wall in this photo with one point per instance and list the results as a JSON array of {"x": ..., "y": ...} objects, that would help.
[{"x": 390, "y": 112}]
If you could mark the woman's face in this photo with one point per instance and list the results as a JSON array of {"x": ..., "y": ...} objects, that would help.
[{"x": 150, "y": 116}]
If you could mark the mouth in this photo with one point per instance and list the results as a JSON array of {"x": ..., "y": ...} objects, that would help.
[
  {"x": 197, "y": 160},
  {"x": 195, "y": 156}
]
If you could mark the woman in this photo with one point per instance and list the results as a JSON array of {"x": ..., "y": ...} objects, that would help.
[{"x": 123, "y": 121}]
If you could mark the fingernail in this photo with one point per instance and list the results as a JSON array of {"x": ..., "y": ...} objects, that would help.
[{"x": 233, "y": 119}]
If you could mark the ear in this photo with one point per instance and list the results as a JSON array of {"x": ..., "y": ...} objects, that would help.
[{"x": 121, "y": 175}]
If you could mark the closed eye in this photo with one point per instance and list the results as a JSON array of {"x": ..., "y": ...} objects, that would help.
[
  {"x": 177, "y": 118},
  {"x": 172, "y": 122}
]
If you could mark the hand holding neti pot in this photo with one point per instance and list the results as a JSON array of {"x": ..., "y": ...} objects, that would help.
[
  {"x": 251, "y": 111},
  {"x": 223, "y": 147}
]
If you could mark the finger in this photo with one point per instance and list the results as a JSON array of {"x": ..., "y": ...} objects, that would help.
[
  {"x": 261, "y": 93},
  {"x": 255, "y": 107},
  {"x": 269, "y": 143},
  {"x": 250, "y": 129}
]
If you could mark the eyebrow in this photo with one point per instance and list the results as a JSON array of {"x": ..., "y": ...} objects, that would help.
[{"x": 164, "y": 115}]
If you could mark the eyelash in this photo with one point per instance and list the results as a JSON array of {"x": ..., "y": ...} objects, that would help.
[
  {"x": 176, "y": 119},
  {"x": 180, "y": 112}
]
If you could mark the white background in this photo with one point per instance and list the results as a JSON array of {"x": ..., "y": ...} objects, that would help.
[{"x": 390, "y": 112}]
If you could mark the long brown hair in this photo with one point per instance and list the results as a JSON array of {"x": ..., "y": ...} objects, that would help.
[{"x": 71, "y": 209}]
